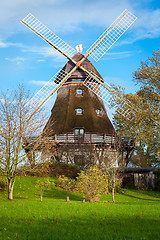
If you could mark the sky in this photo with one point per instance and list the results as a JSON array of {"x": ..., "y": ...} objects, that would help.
[{"x": 26, "y": 58}]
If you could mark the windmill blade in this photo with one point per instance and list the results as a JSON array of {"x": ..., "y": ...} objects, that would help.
[
  {"x": 46, "y": 34},
  {"x": 111, "y": 35},
  {"x": 109, "y": 96},
  {"x": 45, "y": 92},
  {"x": 112, "y": 98}
]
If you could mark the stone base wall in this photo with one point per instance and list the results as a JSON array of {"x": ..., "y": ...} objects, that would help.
[{"x": 85, "y": 156}]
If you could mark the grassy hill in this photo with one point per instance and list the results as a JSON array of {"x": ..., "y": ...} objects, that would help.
[{"x": 136, "y": 215}]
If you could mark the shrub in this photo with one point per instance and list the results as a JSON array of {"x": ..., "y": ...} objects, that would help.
[
  {"x": 93, "y": 183},
  {"x": 66, "y": 183},
  {"x": 3, "y": 183},
  {"x": 49, "y": 169}
]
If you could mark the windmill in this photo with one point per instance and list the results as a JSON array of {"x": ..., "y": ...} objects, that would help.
[{"x": 80, "y": 71}]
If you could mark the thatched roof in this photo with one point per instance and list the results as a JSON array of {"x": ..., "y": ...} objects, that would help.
[{"x": 64, "y": 119}]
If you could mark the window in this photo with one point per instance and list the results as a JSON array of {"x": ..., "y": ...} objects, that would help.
[
  {"x": 98, "y": 111},
  {"x": 79, "y": 131},
  {"x": 76, "y": 131},
  {"x": 79, "y": 92},
  {"x": 79, "y": 111}
]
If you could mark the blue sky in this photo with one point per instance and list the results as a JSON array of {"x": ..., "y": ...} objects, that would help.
[{"x": 24, "y": 57}]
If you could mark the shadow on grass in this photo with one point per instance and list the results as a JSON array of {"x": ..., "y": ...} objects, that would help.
[
  {"x": 144, "y": 195},
  {"x": 152, "y": 194},
  {"x": 57, "y": 193},
  {"x": 17, "y": 197},
  {"x": 71, "y": 227}
]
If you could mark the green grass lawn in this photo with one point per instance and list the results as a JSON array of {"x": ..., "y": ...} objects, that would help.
[{"x": 136, "y": 215}]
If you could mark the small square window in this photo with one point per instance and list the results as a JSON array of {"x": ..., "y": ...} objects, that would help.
[
  {"x": 81, "y": 131},
  {"x": 98, "y": 111},
  {"x": 79, "y": 92},
  {"x": 79, "y": 111},
  {"x": 76, "y": 131}
]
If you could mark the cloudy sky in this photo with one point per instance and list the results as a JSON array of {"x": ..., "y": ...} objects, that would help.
[{"x": 24, "y": 57}]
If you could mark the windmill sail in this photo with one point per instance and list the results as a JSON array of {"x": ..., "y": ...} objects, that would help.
[
  {"x": 46, "y": 34},
  {"x": 45, "y": 92},
  {"x": 112, "y": 98},
  {"x": 111, "y": 35},
  {"x": 109, "y": 96}
]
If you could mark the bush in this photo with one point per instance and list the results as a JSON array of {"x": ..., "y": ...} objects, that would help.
[
  {"x": 66, "y": 183},
  {"x": 49, "y": 169},
  {"x": 3, "y": 183},
  {"x": 93, "y": 183}
]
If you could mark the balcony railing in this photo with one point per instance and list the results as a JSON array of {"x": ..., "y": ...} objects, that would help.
[
  {"x": 70, "y": 138},
  {"x": 86, "y": 138}
]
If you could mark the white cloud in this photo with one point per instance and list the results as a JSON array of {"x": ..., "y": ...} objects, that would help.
[
  {"x": 44, "y": 51},
  {"x": 116, "y": 55},
  {"x": 16, "y": 60},
  {"x": 47, "y": 51},
  {"x": 38, "y": 83},
  {"x": 3, "y": 44},
  {"x": 6, "y": 44},
  {"x": 148, "y": 24},
  {"x": 41, "y": 60}
]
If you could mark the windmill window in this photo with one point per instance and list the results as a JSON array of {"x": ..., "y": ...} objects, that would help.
[
  {"x": 98, "y": 111},
  {"x": 79, "y": 131},
  {"x": 79, "y": 111},
  {"x": 79, "y": 92},
  {"x": 76, "y": 131}
]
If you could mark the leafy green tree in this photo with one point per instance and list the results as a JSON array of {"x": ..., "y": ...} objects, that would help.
[
  {"x": 42, "y": 185},
  {"x": 144, "y": 124}
]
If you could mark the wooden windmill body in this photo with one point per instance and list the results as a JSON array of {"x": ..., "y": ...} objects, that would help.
[
  {"x": 79, "y": 120},
  {"x": 79, "y": 123}
]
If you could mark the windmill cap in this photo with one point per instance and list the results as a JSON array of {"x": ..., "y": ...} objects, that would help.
[{"x": 79, "y": 73}]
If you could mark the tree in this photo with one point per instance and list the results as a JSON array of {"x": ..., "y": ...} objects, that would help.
[
  {"x": 144, "y": 124},
  {"x": 42, "y": 185},
  {"x": 14, "y": 128},
  {"x": 148, "y": 75},
  {"x": 112, "y": 170}
]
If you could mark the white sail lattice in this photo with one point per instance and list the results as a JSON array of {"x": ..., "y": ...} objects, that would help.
[
  {"x": 110, "y": 97},
  {"x": 45, "y": 91},
  {"x": 112, "y": 34},
  {"x": 39, "y": 28}
]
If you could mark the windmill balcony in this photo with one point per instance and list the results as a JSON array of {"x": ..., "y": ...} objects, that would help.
[
  {"x": 71, "y": 138},
  {"x": 86, "y": 138}
]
